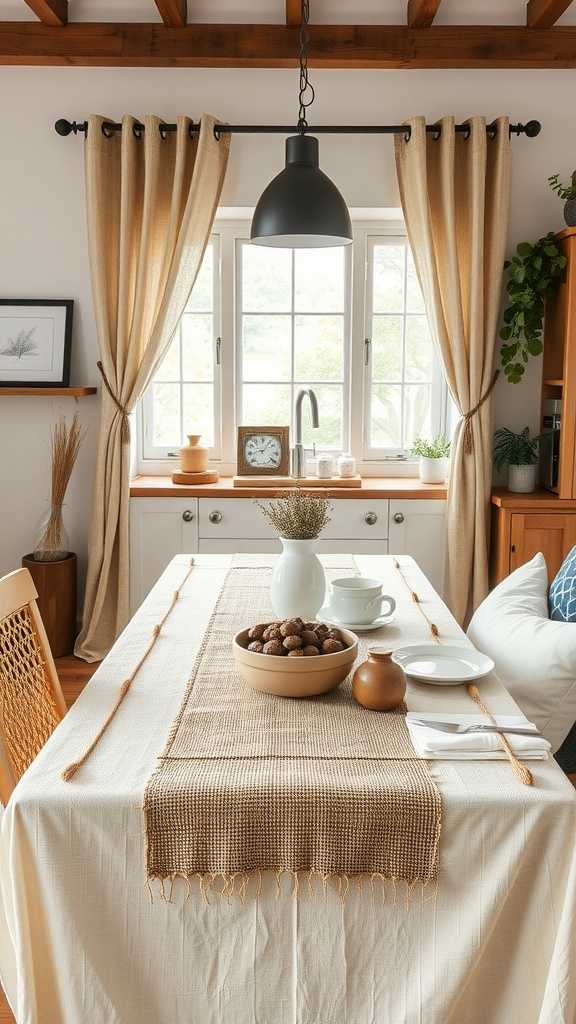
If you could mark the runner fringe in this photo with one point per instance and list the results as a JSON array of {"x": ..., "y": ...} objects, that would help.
[{"x": 303, "y": 884}]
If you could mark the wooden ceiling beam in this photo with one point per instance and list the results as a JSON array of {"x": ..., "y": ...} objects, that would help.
[
  {"x": 421, "y": 13},
  {"x": 545, "y": 13},
  {"x": 272, "y": 46},
  {"x": 293, "y": 13},
  {"x": 50, "y": 12},
  {"x": 173, "y": 12}
]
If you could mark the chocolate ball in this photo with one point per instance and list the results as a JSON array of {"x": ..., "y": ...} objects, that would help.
[
  {"x": 309, "y": 637},
  {"x": 272, "y": 633},
  {"x": 290, "y": 628},
  {"x": 296, "y": 653},
  {"x": 334, "y": 634},
  {"x": 291, "y": 643},
  {"x": 273, "y": 647},
  {"x": 331, "y": 646},
  {"x": 256, "y": 646},
  {"x": 310, "y": 651},
  {"x": 257, "y": 632}
]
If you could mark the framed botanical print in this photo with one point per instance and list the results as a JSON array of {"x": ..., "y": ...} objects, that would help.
[
  {"x": 263, "y": 451},
  {"x": 35, "y": 342}
]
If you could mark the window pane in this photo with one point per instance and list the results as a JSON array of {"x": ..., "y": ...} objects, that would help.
[
  {"x": 418, "y": 349},
  {"x": 329, "y": 433},
  {"x": 319, "y": 280},
  {"x": 169, "y": 368},
  {"x": 266, "y": 347},
  {"x": 387, "y": 348},
  {"x": 197, "y": 346},
  {"x": 266, "y": 405},
  {"x": 388, "y": 279},
  {"x": 201, "y": 298},
  {"x": 165, "y": 414},
  {"x": 318, "y": 347},
  {"x": 386, "y": 416},
  {"x": 266, "y": 279},
  {"x": 416, "y": 412},
  {"x": 198, "y": 411}
]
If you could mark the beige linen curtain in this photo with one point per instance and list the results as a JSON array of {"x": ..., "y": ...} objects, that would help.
[
  {"x": 455, "y": 193},
  {"x": 151, "y": 200}
]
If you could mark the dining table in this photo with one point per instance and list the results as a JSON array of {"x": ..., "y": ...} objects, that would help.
[{"x": 86, "y": 939}]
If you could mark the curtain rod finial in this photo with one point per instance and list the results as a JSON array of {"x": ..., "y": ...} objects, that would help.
[
  {"x": 65, "y": 127},
  {"x": 532, "y": 129}
]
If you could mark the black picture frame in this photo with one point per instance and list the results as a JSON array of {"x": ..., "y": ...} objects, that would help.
[{"x": 64, "y": 378}]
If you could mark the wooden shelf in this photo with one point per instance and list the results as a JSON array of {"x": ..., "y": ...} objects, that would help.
[
  {"x": 555, "y": 382},
  {"x": 72, "y": 392}
]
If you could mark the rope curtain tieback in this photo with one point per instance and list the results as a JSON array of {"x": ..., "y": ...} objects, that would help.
[
  {"x": 467, "y": 416},
  {"x": 69, "y": 772},
  {"x": 121, "y": 409}
]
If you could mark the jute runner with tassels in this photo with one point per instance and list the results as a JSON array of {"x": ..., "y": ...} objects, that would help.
[{"x": 250, "y": 783}]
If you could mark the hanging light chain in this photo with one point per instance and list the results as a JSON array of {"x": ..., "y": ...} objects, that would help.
[{"x": 306, "y": 93}]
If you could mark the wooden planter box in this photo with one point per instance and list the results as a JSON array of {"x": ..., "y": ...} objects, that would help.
[{"x": 56, "y": 586}]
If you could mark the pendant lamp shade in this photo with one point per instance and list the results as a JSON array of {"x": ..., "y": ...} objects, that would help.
[{"x": 301, "y": 208}]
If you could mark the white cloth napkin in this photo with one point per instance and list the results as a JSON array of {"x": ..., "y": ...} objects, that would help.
[{"x": 431, "y": 743}]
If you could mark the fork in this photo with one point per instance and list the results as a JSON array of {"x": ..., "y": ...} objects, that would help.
[{"x": 460, "y": 729}]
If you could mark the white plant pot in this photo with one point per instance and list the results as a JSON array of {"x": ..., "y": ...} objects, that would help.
[
  {"x": 298, "y": 581},
  {"x": 433, "y": 471},
  {"x": 521, "y": 479}
]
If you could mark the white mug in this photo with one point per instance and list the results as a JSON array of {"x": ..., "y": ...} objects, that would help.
[{"x": 358, "y": 600}]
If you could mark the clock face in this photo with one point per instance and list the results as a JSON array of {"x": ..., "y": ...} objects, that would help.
[{"x": 263, "y": 451}]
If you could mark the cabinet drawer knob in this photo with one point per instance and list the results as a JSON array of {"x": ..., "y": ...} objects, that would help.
[
  {"x": 398, "y": 517},
  {"x": 370, "y": 519},
  {"x": 187, "y": 516},
  {"x": 215, "y": 517}
]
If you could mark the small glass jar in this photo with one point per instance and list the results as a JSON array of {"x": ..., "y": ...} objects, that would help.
[
  {"x": 346, "y": 465},
  {"x": 325, "y": 466}
]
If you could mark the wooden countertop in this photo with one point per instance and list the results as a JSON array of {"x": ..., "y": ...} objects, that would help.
[
  {"x": 372, "y": 487},
  {"x": 539, "y": 499}
]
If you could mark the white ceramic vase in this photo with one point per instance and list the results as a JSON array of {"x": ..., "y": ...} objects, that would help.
[
  {"x": 521, "y": 479},
  {"x": 298, "y": 581},
  {"x": 433, "y": 471}
]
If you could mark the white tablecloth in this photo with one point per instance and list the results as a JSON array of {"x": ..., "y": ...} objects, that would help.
[{"x": 84, "y": 944}]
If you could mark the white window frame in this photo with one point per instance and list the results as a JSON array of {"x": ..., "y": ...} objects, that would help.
[
  {"x": 293, "y": 313},
  {"x": 373, "y": 453},
  {"x": 229, "y": 234},
  {"x": 167, "y": 455}
]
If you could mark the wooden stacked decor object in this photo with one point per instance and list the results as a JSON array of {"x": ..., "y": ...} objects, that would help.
[
  {"x": 545, "y": 520},
  {"x": 194, "y": 464}
]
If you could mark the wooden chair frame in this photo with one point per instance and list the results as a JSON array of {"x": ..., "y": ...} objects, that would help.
[{"x": 17, "y": 591}]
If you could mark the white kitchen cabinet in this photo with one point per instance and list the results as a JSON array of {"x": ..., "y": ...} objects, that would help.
[
  {"x": 417, "y": 528},
  {"x": 166, "y": 526},
  {"x": 159, "y": 529}
]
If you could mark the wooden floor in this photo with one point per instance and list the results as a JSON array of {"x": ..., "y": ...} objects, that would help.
[{"x": 73, "y": 675}]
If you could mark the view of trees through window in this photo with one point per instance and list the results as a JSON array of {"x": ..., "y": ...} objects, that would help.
[
  {"x": 292, "y": 329},
  {"x": 353, "y": 329}
]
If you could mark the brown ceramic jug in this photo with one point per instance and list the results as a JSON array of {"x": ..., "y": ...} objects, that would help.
[{"x": 378, "y": 683}]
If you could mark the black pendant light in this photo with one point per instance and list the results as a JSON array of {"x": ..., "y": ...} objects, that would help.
[{"x": 301, "y": 208}]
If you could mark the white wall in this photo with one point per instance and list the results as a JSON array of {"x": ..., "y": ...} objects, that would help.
[{"x": 42, "y": 224}]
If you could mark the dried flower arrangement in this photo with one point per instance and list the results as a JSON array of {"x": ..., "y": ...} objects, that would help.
[
  {"x": 297, "y": 516},
  {"x": 65, "y": 445}
]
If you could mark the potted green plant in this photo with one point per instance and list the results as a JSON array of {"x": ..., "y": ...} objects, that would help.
[
  {"x": 433, "y": 456},
  {"x": 520, "y": 453},
  {"x": 568, "y": 194}
]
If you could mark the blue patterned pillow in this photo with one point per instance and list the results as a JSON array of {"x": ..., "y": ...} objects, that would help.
[{"x": 562, "y": 595}]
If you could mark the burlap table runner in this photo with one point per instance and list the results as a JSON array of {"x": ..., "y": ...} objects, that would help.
[{"x": 249, "y": 782}]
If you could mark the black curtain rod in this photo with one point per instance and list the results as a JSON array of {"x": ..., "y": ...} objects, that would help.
[{"x": 64, "y": 127}]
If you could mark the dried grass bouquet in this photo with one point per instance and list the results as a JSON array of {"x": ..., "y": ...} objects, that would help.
[
  {"x": 297, "y": 516},
  {"x": 52, "y": 543}
]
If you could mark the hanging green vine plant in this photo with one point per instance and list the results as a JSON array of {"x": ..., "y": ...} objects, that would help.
[{"x": 532, "y": 274}]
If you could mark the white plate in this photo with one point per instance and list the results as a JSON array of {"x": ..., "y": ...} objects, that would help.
[
  {"x": 324, "y": 615},
  {"x": 443, "y": 664}
]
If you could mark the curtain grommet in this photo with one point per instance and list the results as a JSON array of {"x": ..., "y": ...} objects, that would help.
[
  {"x": 138, "y": 129},
  {"x": 163, "y": 131},
  {"x": 107, "y": 129},
  {"x": 217, "y": 134},
  {"x": 492, "y": 130},
  {"x": 407, "y": 131}
]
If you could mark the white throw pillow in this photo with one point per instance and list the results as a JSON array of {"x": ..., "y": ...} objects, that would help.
[{"x": 535, "y": 657}]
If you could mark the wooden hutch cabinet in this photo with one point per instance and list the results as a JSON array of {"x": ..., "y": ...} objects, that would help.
[{"x": 523, "y": 524}]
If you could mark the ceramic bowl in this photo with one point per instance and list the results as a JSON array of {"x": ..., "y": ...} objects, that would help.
[{"x": 294, "y": 677}]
